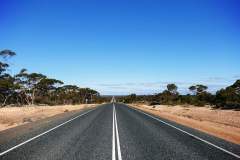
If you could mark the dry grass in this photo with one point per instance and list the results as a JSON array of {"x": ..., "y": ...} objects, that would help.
[
  {"x": 15, "y": 116},
  {"x": 224, "y": 124}
]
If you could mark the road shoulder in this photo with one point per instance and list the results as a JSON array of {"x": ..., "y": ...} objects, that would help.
[{"x": 226, "y": 132}]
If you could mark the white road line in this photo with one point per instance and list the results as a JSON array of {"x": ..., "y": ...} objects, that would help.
[
  {"x": 196, "y": 137},
  {"x": 31, "y": 139},
  {"x": 118, "y": 142},
  {"x": 113, "y": 136}
]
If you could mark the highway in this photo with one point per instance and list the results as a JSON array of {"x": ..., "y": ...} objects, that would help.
[{"x": 117, "y": 132}]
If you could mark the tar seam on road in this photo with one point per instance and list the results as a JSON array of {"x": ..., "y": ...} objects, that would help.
[
  {"x": 196, "y": 137},
  {"x": 39, "y": 135},
  {"x": 115, "y": 131}
]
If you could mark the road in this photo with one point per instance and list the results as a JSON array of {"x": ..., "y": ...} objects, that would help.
[{"x": 118, "y": 132}]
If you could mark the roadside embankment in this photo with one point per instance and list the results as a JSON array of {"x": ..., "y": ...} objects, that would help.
[
  {"x": 14, "y": 116},
  {"x": 224, "y": 124}
]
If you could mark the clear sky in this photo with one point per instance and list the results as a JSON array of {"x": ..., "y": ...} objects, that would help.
[{"x": 125, "y": 46}]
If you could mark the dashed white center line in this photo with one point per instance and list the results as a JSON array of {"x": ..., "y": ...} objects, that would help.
[{"x": 115, "y": 131}]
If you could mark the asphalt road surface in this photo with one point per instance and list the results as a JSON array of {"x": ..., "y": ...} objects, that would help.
[{"x": 118, "y": 132}]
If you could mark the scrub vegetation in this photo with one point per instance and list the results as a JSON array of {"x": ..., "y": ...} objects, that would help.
[{"x": 228, "y": 98}]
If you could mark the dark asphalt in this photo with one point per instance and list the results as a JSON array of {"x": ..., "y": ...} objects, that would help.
[{"x": 141, "y": 137}]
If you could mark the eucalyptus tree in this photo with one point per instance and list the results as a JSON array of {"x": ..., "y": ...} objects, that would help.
[
  {"x": 229, "y": 97},
  {"x": 32, "y": 83},
  {"x": 28, "y": 84},
  {"x": 172, "y": 88},
  {"x": 193, "y": 89},
  {"x": 7, "y": 53},
  {"x": 198, "y": 89},
  {"x": 200, "y": 95},
  {"x": 7, "y": 86},
  {"x": 46, "y": 89},
  {"x": 68, "y": 94},
  {"x": 88, "y": 95},
  {"x": 21, "y": 79}
]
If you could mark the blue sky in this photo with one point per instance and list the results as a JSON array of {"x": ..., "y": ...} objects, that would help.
[{"x": 122, "y": 47}]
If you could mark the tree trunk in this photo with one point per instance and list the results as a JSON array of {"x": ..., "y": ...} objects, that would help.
[
  {"x": 33, "y": 96},
  {"x": 26, "y": 98},
  {"x": 5, "y": 100},
  {"x": 18, "y": 101}
]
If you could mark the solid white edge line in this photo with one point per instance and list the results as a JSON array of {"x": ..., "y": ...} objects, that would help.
[
  {"x": 35, "y": 137},
  {"x": 196, "y": 137},
  {"x": 118, "y": 141},
  {"x": 113, "y": 137}
]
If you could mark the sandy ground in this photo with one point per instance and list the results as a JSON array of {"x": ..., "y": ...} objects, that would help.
[
  {"x": 224, "y": 124},
  {"x": 14, "y": 116}
]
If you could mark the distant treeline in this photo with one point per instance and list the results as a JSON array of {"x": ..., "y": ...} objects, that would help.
[
  {"x": 228, "y": 98},
  {"x": 27, "y": 88}
]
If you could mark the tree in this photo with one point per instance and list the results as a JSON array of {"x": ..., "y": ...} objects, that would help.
[
  {"x": 201, "y": 88},
  {"x": 87, "y": 94},
  {"x": 7, "y": 86},
  {"x": 192, "y": 89},
  {"x": 197, "y": 89},
  {"x": 236, "y": 87},
  {"x": 229, "y": 97},
  {"x": 46, "y": 85},
  {"x": 168, "y": 96},
  {"x": 172, "y": 88},
  {"x": 3, "y": 67},
  {"x": 7, "y": 53},
  {"x": 21, "y": 79},
  {"x": 45, "y": 90},
  {"x": 32, "y": 82},
  {"x": 72, "y": 94},
  {"x": 68, "y": 94},
  {"x": 201, "y": 96},
  {"x": 130, "y": 98}
]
